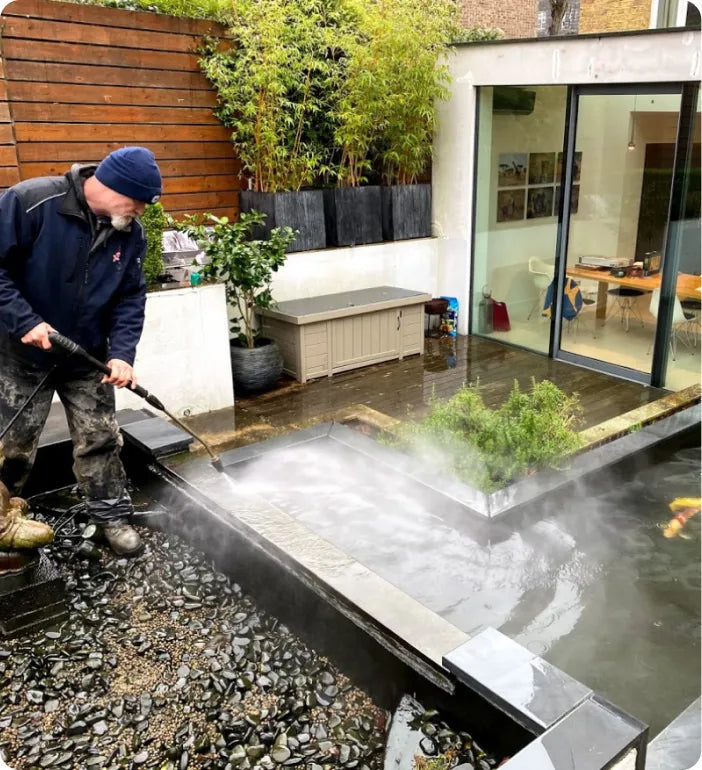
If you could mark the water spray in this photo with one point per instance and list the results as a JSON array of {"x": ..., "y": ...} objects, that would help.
[{"x": 73, "y": 348}]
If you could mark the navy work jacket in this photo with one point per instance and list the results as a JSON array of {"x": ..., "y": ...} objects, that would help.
[{"x": 55, "y": 266}]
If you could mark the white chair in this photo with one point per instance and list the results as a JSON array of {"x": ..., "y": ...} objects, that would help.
[
  {"x": 541, "y": 274},
  {"x": 682, "y": 319}
]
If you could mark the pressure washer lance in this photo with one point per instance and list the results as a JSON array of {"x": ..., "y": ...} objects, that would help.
[{"x": 73, "y": 348}]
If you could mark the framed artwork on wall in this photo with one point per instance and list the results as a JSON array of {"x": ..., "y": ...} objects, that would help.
[
  {"x": 510, "y": 205},
  {"x": 542, "y": 167},
  {"x": 539, "y": 202},
  {"x": 512, "y": 169}
]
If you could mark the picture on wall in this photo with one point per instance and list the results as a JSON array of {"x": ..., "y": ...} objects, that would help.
[
  {"x": 510, "y": 205},
  {"x": 542, "y": 167},
  {"x": 512, "y": 169},
  {"x": 539, "y": 202},
  {"x": 577, "y": 163},
  {"x": 574, "y": 199}
]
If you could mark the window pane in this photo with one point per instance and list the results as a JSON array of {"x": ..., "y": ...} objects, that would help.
[{"x": 519, "y": 144}]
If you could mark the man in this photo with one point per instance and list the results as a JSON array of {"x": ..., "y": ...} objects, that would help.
[{"x": 71, "y": 251}]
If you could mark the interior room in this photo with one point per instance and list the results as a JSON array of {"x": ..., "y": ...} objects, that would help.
[{"x": 622, "y": 175}]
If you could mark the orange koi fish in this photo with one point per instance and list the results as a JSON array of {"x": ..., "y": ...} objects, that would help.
[{"x": 684, "y": 508}]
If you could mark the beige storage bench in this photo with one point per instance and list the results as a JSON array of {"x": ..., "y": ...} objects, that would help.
[{"x": 332, "y": 333}]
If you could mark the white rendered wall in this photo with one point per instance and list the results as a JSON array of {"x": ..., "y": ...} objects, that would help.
[
  {"x": 183, "y": 357},
  {"x": 410, "y": 264},
  {"x": 648, "y": 57}
]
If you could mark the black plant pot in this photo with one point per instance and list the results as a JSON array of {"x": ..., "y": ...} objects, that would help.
[
  {"x": 303, "y": 211},
  {"x": 257, "y": 369},
  {"x": 353, "y": 216},
  {"x": 406, "y": 211}
]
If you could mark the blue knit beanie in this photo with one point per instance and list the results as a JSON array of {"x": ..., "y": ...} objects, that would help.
[{"x": 131, "y": 171}]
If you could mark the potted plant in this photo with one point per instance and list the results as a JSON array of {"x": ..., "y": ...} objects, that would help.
[
  {"x": 246, "y": 265},
  {"x": 275, "y": 89},
  {"x": 417, "y": 79}
]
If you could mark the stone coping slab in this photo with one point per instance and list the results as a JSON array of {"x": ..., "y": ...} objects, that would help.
[
  {"x": 520, "y": 683},
  {"x": 593, "y": 736},
  {"x": 679, "y": 745}
]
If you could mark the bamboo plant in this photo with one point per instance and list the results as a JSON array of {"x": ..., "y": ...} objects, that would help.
[{"x": 276, "y": 84}]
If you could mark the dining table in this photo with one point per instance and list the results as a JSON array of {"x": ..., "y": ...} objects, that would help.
[{"x": 688, "y": 287}]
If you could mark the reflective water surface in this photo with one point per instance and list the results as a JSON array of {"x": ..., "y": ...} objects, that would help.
[{"x": 587, "y": 580}]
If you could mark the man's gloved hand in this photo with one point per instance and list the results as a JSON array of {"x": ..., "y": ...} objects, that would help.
[
  {"x": 122, "y": 374},
  {"x": 39, "y": 336}
]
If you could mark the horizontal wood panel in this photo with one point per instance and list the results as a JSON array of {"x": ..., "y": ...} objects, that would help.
[
  {"x": 89, "y": 152},
  {"x": 191, "y": 184},
  {"x": 108, "y": 113},
  {"x": 196, "y": 169},
  {"x": 4, "y": 112},
  {"x": 131, "y": 133},
  {"x": 3, "y": 90},
  {"x": 66, "y": 32},
  {"x": 9, "y": 176},
  {"x": 111, "y": 17},
  {"x": 13, "y": 48},
  {"x": 24, "y": 91},
  {"x": 50, "y": 72},
  {"x": 8, "y": 155},
  {"x": 201, "y": 201},
  {"x": 6, "y": 136}
]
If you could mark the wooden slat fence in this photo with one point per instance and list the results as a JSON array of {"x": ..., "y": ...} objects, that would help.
[{"x": 79, "y": 81}]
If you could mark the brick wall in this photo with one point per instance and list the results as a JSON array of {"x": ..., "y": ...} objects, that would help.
[
  {"x": 515, "y": 19},
  {"x": 608, "y": 16}
]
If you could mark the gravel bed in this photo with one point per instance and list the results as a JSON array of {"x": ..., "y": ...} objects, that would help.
[{"x": 166, "y": 663}]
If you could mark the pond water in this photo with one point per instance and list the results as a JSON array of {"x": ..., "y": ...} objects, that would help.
[{"x": 586, "y": 579}]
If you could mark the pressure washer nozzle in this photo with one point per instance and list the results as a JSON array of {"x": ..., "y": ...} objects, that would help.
[{"x": 217, "y": 464}]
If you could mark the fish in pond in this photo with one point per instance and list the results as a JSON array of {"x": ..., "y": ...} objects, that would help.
[{"x": 684, "y": 508}]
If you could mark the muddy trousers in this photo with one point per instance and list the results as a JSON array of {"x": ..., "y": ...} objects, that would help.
[{"x": 90, "y": 412}]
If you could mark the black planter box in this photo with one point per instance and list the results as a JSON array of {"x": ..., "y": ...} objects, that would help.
[
  {"x": 406, "y": 211},
  {"x": 303, "y": 211},
  {"x": 353, "y": 216}
]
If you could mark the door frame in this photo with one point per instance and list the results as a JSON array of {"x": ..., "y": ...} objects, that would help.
[{"x": 683, "y": 149}]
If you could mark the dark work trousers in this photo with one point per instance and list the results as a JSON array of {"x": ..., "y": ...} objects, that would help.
[{"x": 90, "y": 411}]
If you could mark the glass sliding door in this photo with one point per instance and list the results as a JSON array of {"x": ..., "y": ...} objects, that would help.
[
  {"x": 619, "y": 177},
  {"x": 520, "y": 136}
]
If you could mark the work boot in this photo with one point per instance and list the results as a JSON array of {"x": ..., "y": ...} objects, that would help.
[
  {"x": 122, "y": 537},
  {"x": 17, "y": 532}
]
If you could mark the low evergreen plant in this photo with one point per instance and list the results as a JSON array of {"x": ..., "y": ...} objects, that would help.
[
  {"x": 489, "y": 448},
  {"x": 153, "y": 221}
]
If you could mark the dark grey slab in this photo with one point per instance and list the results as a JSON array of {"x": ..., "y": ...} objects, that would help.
[
  {"x": 532, "y": 691},
  {"x": 157, "y": 437},
  {"x": 592, "y": 737},
  {"x": 678, "y": 747},
  {"x": 35, "y": 599},
  {"x": 56, "y": 427}
]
